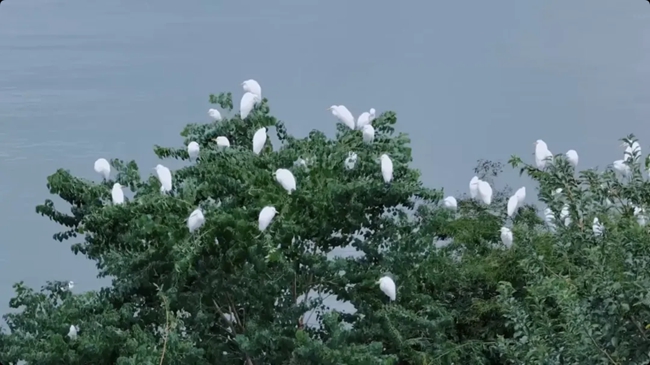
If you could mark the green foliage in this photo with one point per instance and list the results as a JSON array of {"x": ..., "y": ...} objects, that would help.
[{"x": 228, "y": 294}]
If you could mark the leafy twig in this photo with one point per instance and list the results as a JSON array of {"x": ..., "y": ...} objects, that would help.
[{"x": 162, "y": 356}]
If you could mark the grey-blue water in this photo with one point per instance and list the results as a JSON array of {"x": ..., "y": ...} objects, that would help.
[{"x": 83, "y": 79}]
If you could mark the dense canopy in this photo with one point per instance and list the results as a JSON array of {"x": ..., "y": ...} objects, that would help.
[{"x": 198, "y": 279}]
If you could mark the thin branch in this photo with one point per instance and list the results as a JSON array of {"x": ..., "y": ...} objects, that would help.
[{"x": 162, "y": 356}]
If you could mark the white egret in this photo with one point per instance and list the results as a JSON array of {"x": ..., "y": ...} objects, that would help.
[
  {"x": 630, "y": 151},
  {"x": 513, "y": 202},
  {"x": 368, "y": 133},
  {"x": 266, "y": 216},
  {"x": 214, "y": 114},
  {"x": 193, "y": 150},
  {"x": 165, "y": 177},
  {"x": 363, "y": 120},
  {"x": 70, "y": 285},
  {"x": 195, "y": 220},
  {"x": 103, "y": 168},
  {"x": 641, "y": 218},
  {"x": 572, "y": 157},
  {"x": 521, "y": 195},
  {"x": 252, "y": 87},
  {"x": 351, "y": 160},
  {"x": 117, "y": 194},
  {"x": 473, "y": 187},
  {"x": 259, "y": 139},
  {"x": 549, "y": 217},
  {"x": 564, "y": 215},
  {"x": 622, "y": 167},
  {"x": 222, "y": 141},
  {"x": 597, "y": 227},
  {"x": 450, "y": 203},
  {"x": 386, "y": 168},
  {"x": 72, "y": 333},
  {"x": 506, "y": 237},
  {"x": 343, "y": 115},
  {"x": 286, "y": 179},
  {"x": 485, "y": 192},
  {"x": 557, "y": 191},
  {"x": 371, "y": 116},
  {"x": 387, "y": 286},
  {"x": 247, "y": 104},
  {"x": 542, "y": 154}
]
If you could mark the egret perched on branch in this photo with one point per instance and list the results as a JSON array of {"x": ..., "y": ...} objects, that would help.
[
  {"x": 387, "y": 286},
  {"x": 450, "y": 203},
  {"x": 193, "y": 150},
  {"x": 549, "y": 217},
  {"x": 513, "y": 202},
  {"x": 622, "y": 167},
  {"x": 103, "y": 168},
  {"x": 222, "y": 141},
  {"x": 371, "y": 117},
  {"x": 521, "y": 195},
  {"x": 214, "y": 114},
  {"x": 386, "y": 168},
  {"x": 72, "y": 333},
  {"x": 252, "y": 87},
  {"x": 473, "y": 187},
  {"x": 641, "y": 218},
  {"x": 630, "y": 151},
  {"x": 368, "y": 133},
  {"x": 70, "y": 285},
  {"x": 485, "y": 192},
  {"x": 165, "y": 177},
  {"x": 343, "y": 115},
  {"x": 542, "y": 154},
  {"x": 506, "y": 237},
  {"x": 564, "y": 215},
  {"x": 117, "y": 194},
  {"x": 351, "y": 160},
  {"x": 286, "y": 179},
  {"x": 572, "y": 157},
  {"x": 259, "y": 139},
  {"x": 195, "y": 220},
  {"x": 247, "y": 104},
  {"x": 597, "y": 227},
  {"x": 363, "y": 120},
  {"x": 266, "y": 216}
]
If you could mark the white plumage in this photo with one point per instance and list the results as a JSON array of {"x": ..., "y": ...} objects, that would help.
[
  {"x": 549, "y": 217},
  {"x": 195, "y": 220},
  {"x": 103, "y": 168},
  {"x": 597, "y": 227},
  {"x": 386, "y": 168},
  {"x": 621, "y": 167},
  {"x": 542, "y": 154},
  {"x": 259, "y": 139},
  {"x": 506, "y": 237},
  {"x": 193, "y": 150},
  {"x": 368, "y": 133},
  {"x": 266, "y": 216},
  {"x": 214, "y": 114},
  {"x": 513, "y": 202},
  {"x": 117, "y": 194},
  {"x": 252, "y": 87},
  {"x": 351, "y": 160},
  {"x": 72, "y": 333},
  {"x": 222, "y": 142},
  {"x": 343, "y": 115},
  {"x": 630, "y": 151},
  {"x": 564, "y": 215},
  {"x": 387, "y": 286},
  {"x": 286, "y": 179},
  {"x": 473, "y": 187},
  {"x": 165, "y": 177},
  {"x": 485, "y": 192},
  {"x": 371, "y": 116},
  {"x": 247, "y": 104},
  {"x": 363, "y": 120},
  {"x": 521, "y": 195},
  {"x": 572, "y": 157},
  {"x": 450, "y": 203}
]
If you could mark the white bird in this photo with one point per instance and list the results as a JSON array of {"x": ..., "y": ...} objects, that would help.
[
  {"x": 542, "y": 154},
  {"x": 597, "y": 227},
  {"x": 117, "y": 194},
  {"x": 259, "y": 139},
  {"x": 641, "y": 218},
  {"x": 564, "y": 215},
  {"x": 387, "y": 286},
  {"x": 252, "y": 87},
  {"x": 513, "y": 202},
  {"x": 343, "y": 115},
  {"x": 286, "y": 179},
  {"x": 557, "y": 191},
  {"x": 473, "y": 187},
  {"x": 214, "y": 114},
  {"x": 195, "y": 220},
  {"x": 630, "y": 151},
  {"x": 222, "y": 141},
  {"x": 266, "y": 216},
  {"x": 103, "y": 168},
  {"x": 506, "y": 237},
  {"x": 485, "y": 192},
  {"x": 247, "y": 104},
  {"x": 386, "y": 168},
  {"x": 363, "y": 120},
  {"x": 165, "y": 177},
  {"x": 371, "y": 116},
  {"x": 450, "y": 203},
  {"x": 521, "y": 195},
  {"x": 72, "y": 333},
  {"x": 70, "y": 285},
  {"x": 193, "y": 150},
  {"x": 368, "y": 133},
  {"x": 572, "y": 157},
  {"x": 351, "y": 160},
  {"x": 549, "y": 217},
  {"x": 622, "y": 167}
]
